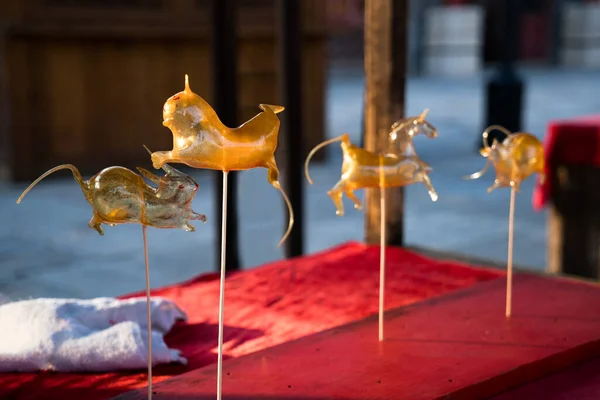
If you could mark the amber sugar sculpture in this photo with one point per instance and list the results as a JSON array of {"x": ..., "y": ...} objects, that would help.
[
  {"x": 399, "y": 166},
  {"x": 519, "y": 156},
  {"x": 120, "y": 196},
  {"x": 201, "y": 140}
]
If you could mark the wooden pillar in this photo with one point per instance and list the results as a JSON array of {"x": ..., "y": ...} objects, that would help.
[
  {"x": 574, "y": 221},
  {"x": 385, "y": 67},
  {"x": 5, "y": 126},
  {"x": 290, "y": 53},
  {"x": 224, "y": 69}
]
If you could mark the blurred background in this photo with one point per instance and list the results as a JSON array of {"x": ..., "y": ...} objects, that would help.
[{"x": 84, "y": 82}]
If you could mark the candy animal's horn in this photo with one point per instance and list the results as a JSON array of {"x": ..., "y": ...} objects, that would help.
[
  {"x": 479, "y": 174},
  {"x": 490, "y": 128},
  {"x": 424, "y": 114},
  {"x": 149, "y": 175},
  {"x": 187, "y": 84},
  {"x": 169, "y": 170}
]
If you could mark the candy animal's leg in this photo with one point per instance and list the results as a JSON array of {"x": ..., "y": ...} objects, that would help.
[
  {"x": 350, "y": 194},
  {"x": 196, "y": 216},
  {"x": 336, "y": 196},
  {"x": 427, "y": 182},
  {"x": 516, "y": 185},
  {"x": 496, "y": 185},
  {"x": 96, "y": 223},
  {"x": 189, "y": 228}
]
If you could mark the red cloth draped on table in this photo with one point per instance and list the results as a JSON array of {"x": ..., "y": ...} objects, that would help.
[
  {"x": 267, "y": 306},
  {"x": 568, "y": 142}
]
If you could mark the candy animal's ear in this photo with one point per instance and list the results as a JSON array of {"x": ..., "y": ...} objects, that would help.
[{"x": 149, "y": 175}]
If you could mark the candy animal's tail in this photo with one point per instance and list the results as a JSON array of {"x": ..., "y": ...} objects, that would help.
[
  {"x": 275, "y": 109},
  {"x": 76, "y": 175},
  {"x": 344, "y": 138},
  {"x": 290, "y": 211}
]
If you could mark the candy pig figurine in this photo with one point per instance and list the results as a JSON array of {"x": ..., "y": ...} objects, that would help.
[
  {"x": 120, "y": 196},
  {"x": 519, "y": 156}
]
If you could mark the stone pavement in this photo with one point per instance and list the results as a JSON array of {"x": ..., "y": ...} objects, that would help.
[{"x": 46, "y": 248}]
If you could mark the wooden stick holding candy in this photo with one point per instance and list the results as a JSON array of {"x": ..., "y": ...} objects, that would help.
[
  {"x": 120, "y": 196},
  {"x": 519, "y": 156},
  {"x": 398, "y": 166},
  {"x": 201, "y": 140}
]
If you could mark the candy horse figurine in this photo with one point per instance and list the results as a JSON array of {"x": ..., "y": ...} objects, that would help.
[{"x": 364, "y": 169}]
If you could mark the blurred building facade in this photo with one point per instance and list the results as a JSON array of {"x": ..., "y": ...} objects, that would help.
[
  {"x": 84, "y": 81},
  {"x": 463, "y": 36}
]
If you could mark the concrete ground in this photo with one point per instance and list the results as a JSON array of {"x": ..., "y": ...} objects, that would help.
[{"x": 46, "y": 248}]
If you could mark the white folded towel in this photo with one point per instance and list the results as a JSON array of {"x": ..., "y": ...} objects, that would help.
[{"x": 97, "y": 335}]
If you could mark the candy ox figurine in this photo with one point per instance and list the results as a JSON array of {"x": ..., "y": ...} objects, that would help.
[
  {"x": 519, "y": 156},
  {"x": 120, "y": 196},
  {"x": 201, "y": 140}
]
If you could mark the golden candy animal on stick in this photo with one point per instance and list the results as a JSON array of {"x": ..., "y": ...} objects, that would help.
[
  {"x": 120, "y": 196},
  {"x": 201, "y": 140},
  {"x": 361, "y": 168},
  {"x": 519, "y": 156},
  {"x": 397, "y": 166}
]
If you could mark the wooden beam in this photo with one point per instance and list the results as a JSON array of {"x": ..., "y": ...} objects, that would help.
[
  {"x": 224, "y": 70},
  {"x": 290, "y": 53},
  {"x": 385, "y": 69}
]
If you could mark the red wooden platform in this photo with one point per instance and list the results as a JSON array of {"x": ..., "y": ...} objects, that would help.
[
  {"x": 264, "y": 307},
  {"x": 458, "y": 345}
]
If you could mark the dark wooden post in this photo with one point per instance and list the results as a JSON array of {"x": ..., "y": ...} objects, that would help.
[
  {"x": 504, "y": 90},
  {"x": 224, "y": 70},
  {"x": 290, "y": 51},
  {"x": 385, "y": 68},
  {"x": 574, "y": 221}
]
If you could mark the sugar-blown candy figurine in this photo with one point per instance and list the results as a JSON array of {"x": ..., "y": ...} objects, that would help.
[
  {"x": 516, "y": 158},
  {"x": 398, "y": 165},
  {"x": 120, "y": 196},
  {"x": 519, "y": 156},
  {"x": 201, "y": 140}
]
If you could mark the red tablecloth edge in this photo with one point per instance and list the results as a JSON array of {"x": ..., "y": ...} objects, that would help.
[
  {"x": 574, "y": 142},
  {"x": 347, "y": 246}
]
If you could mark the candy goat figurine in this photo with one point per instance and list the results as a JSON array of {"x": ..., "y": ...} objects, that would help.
[
  {"x": 519, "y": 156},
  {"x": 120, "y": 196},
  {"x": 365, "y": 169},
  {"x": 201, "y": 140}
]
